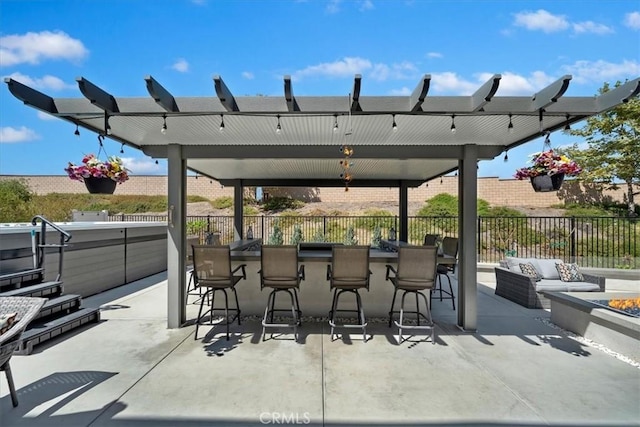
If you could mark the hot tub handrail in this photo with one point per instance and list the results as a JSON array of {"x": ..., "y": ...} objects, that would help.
[{"x": 42, "y": 245}]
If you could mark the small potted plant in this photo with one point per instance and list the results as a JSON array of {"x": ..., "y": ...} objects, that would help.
[
  {"x": 548, "y": 170},
  {"x": 100, "y": 177}
]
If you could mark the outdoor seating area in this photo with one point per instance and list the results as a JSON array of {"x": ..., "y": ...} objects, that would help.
[
  {"x": 349, "y": 270},
  {"x": 524, "y": 280},
  {"x": 136, "y": 381}
]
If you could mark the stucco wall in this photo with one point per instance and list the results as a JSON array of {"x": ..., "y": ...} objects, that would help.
[{"x": 504, "y": 192}]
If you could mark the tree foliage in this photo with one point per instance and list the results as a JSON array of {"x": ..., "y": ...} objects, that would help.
[
  {"x": 613, "y": 139},
  {"x": 15, "y": 201}
]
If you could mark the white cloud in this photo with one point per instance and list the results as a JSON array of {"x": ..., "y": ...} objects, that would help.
[
  {"x": 349, "y": 66},
  {"x": 248, "y": 75},
  {"x": 403, "y": 70},
  {"x": 366, "y": 5},
  {"x": 46, "y": 117},
  {"x": 45, "y": 82},
  {"x": 451, "y": 83},
  {"x": 632, "y": 20},
  {"x": 601, "y": 71},
  {"x": 342, "y": 68},
  {"x": 333, "y": 6},
  {"x": 591, "y": 27},
  {"x": 404, "y": 91},
  {"x": 434, "y": 55},
  {"x": 541, "y": 20},
  {"x": 144, "y": 166},
  {"x": 513, "y": 84},
  {"x": 181, "y": 65},
  {"x": 32, "y": 48},
  {"x": 10, "y": 135}
]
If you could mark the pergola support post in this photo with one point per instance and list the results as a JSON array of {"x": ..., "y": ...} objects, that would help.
[
  {"x": 238, "y": 214},
  {"x": 467, "y": 231},
  {"x": 403, "y": 209},
  {"x": 176, "y": 236}
]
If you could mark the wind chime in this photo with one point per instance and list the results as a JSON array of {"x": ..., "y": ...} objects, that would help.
[{"x": 347, "y": 152}]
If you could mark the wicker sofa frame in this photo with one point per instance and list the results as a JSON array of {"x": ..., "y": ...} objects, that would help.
[{"x": 521, "y": 289}]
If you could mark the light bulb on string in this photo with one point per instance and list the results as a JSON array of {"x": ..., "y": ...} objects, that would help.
[
  {"x": 221, "y": 123},
  {"x": 394, "y": 125},
  {"x": 278, "y": 127},
  {"x": 77, "y": 132},
  {"x": 163, "y": 129},
  {"x": 510, "y": 126},
  {"x": 453, "y": 123}
]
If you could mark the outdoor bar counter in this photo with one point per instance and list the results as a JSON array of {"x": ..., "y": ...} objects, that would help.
[{"x": 314, "y": 294}]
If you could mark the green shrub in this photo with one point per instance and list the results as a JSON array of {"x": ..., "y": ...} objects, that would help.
[
  {"x": 318, "y": 236},
  {"x": 282, "y": 203},
  {"x": 198, "y": 227},
  {"x": 223, "y": 202},
  {"x": 350, "y": 236},
  {"x": 15, "y": 201},
  {"x": 195, "y": 199},
  {"x": 276, "y": 234},
  {"x": 297, "y": 236},
  {"x": 249, "y": 210},
  {"x": 377, "y": 218},
  {"x": 377, "y": 237}
]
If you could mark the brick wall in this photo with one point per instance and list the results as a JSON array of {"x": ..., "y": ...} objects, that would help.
[{"x": 503, "y": 192}]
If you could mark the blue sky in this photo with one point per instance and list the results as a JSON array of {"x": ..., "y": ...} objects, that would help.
[{"x": 322, "y": 44}]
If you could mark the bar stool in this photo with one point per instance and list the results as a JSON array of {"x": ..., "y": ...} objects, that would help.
[
  {"x": 212, "y": 271},
  {"x": 279, "y": 271},
  {"x": 416, "y": 273},
  {"x": 348, "y": 272}
]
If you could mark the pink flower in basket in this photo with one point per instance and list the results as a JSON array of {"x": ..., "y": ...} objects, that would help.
[
  {"x": 91, "y": 166},
  {"x": 548, "y": 163}
]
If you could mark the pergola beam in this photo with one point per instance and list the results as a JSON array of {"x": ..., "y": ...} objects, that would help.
[
  {"x": 621, "y": 94},
  {"x": 97, "y": 96},
  {"x": 485, "y": 93},
  {"x": 355, "y": 95},
  {"x": 162, "y": 96},
  {"x": 31, "y": 97},
  {"x": 420, "y": 93},
  {"x": 292, "y": 105},
  {"x": 550, "y": 94},
  {"x": 224, "y": 94}
]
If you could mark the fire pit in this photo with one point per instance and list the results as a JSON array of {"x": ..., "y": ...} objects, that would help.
[{"x": 609, "y": 319}]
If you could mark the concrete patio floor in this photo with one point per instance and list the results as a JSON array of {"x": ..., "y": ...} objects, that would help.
[{"x": 129, "y": 369}]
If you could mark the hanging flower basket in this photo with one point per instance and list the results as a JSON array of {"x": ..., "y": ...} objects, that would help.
[
  {"x": 544, "y": 183},
  {"x": 100, "y": 177},
  {"x": 100, "y": 185},
  {"x": 548, "y": 171}
]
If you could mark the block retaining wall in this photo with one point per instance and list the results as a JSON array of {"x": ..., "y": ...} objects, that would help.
[{"x": 502, "y": 192}]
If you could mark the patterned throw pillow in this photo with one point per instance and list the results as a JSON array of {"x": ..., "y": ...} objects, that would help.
[
  {"x": 6, "y": 321},
  {"x": 529, "y": 270},
  {"x": 569, "y": 272}
]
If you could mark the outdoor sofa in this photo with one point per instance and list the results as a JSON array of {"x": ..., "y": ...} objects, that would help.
[{"x": 527, "y": 289}]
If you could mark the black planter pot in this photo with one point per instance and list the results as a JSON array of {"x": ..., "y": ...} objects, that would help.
[
  {"x": 544, "y": 183},
  {"x": 100, "y": 185}
]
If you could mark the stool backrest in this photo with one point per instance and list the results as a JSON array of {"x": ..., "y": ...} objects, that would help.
[
  {"x": 212, "y": 263},
  {"x": 417, "y": 264},
  {"x": 278, "y": 264}
]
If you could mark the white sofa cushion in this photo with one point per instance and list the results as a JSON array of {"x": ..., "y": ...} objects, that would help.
[
  {"x": 552, "y": 286},
  {"x": 547, "y": 268},
  {"x": 513, "y": 263}
]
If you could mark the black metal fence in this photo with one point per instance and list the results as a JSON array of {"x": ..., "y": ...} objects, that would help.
[{"x": 608, "y": 242}]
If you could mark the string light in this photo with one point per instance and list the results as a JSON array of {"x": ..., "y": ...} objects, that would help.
[
  {"x": 278, "y": 127},
  {"x": 394, "y": 125},
  {"x": 221, "y": 123},
  {"x": 510, "y": 126},
  {"x": 567, "y": 126},
  {"x": 77, "y": 132},
  {"x": 163, "y": 129},
  {"x": 335, "y": 123},
  {"x": 506, "y": 156},
  {"x": 122, "y": 148},
  {"x": 453, "y": 123}
]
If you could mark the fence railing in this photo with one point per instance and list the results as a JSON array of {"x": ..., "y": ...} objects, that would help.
[{"x": 607, "y": 242}]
